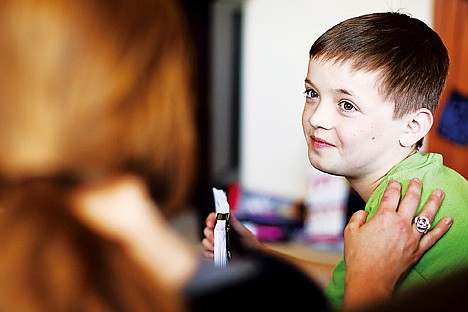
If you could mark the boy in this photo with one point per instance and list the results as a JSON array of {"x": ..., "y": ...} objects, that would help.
[{"x": 372, "y": 86}]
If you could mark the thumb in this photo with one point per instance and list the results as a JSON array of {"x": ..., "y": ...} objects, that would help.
[
  {"x": 236, "y": 224},
  {"x": 246, "y": 239},
  {"x": 357, "y": 219}
]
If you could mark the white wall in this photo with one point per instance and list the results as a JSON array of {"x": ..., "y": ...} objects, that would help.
[{"x": 277, "y": 38}]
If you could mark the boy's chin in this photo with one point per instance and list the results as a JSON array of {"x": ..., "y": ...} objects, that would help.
[
  {"x": 326, "y": 167},
  {"x": 322, "y": 168}
]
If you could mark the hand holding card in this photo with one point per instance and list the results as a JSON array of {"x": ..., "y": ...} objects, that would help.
[{"x": 222, "y": 251}]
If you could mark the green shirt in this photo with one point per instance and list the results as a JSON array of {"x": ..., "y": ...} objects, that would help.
[{"x": 451, "y": 251}]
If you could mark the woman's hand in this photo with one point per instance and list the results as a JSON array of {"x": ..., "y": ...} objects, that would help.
[{"x": 378, "y": 252}]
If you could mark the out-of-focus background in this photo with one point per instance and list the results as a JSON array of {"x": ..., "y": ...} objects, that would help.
[{"x": 252, "y": 59}]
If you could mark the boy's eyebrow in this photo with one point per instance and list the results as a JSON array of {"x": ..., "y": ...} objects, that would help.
[
  {"x": 340, "y": 90},
  {"x": 309, "y": 82},
  {"x": 350, "y": 93}
]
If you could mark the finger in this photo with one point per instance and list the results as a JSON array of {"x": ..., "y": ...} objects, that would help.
[
  {"x": 208, "y": 233},
  {"x": 357, "y": 219},
  {"x": 430, "y": 209},
  {"x": 410, "y": 202},
  {"x": 208, "y": 245},
  {"x": 210, "y": 220},
  {"x": 208, "y": 254},
  {"x": 432, "y": 205},
  {"x": 430, "y": 238},
  {"x": 391, "y": 196},
  {"x": 236, "y": 224},
  {"x": 245, "y": 238},
  {"x": 355, "y": 222}
]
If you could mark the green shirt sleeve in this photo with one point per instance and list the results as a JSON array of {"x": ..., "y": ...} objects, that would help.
[{"x": 334, "y": 292}]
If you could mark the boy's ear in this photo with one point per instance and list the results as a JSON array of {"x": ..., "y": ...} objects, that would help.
[{"x": 419, "y": 124}]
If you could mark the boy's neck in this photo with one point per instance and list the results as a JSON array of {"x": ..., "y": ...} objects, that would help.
[{"x": 365, "y": 185}]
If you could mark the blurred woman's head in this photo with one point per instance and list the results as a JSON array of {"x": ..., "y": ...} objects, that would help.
[
  {"x": 93, "y": 88},
  {"x": 90, "y": 90}
]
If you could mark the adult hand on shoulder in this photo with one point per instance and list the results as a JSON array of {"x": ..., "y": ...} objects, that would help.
[{"x": 378, "y": 252}]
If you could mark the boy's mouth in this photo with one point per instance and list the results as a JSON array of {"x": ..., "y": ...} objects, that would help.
[{"x": 320, "y": 143}]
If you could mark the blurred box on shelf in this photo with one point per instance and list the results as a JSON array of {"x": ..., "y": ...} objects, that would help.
[
  {"x": 326, "y": 205},
  {"x": 269, "y": 217}
]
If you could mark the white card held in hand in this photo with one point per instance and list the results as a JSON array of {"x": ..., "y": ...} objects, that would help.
[{"x": 222, "y": 251}]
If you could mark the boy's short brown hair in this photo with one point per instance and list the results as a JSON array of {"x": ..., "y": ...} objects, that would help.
[{"x": 411, "y": 57}]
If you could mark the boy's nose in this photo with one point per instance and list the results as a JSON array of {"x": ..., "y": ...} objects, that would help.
[{"x": 321, "y": 116}]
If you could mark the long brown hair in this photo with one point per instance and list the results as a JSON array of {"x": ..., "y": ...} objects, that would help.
[
  {"x": 96, "y": 87},
  {"x": 88, "y": 89}
]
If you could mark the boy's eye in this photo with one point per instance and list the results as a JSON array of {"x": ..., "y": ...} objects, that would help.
[
  {"x": 347, "y": 106},
  {"x": 310, "y": 93}
]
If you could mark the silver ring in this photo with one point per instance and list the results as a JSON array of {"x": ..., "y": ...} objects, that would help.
[{"x": 422, "y": 224}]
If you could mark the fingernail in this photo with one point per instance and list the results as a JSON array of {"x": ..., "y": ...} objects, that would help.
[
  {"x": 448, "y": 221},
  {"x": 439, "y": 193},
  {"x": 417, "y": 180}
]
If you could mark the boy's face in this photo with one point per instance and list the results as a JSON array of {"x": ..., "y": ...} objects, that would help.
[{"x": 348, "y": 126}]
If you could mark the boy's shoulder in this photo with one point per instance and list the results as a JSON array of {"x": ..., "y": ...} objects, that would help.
[{"x": 429, "y": 168}]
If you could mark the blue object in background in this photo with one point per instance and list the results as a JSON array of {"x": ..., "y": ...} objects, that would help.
[{"x": 453, "y": 124}]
